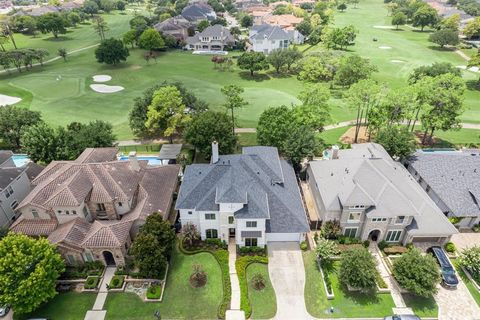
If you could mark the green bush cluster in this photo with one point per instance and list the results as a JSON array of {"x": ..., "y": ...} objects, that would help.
[
  {"x": 366, "y": 243},
  {"x": 383, "y": 244},
  {"x": 243, "y": 251},
  {"x": 304, "y": 246},
  {"x": 450, "y": 247},
  {"x": 91, "y": 282},
  {"x": 476, "y": 228},
  {"x": 348, "y": 240},
  {"x": 154, "y": 291},
  {"x": 328, "y": 282},
  {"x": 241, "y": 266},
  {"x": 93, "y": 268},
  {"x": 380, "y": 282},
  {"x": 116, "y": 282},
  {"x": 216, "y": 243}
]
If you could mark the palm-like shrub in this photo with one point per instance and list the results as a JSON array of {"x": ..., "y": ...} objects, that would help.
[
  {"x": 326, "y": 249},
  {"x": 190, "y": 233},
  {"x": 199, "y": 276},
  {"x": 258, "y": 281}
]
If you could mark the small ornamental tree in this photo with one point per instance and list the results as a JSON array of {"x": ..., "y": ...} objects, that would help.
[
  {"x": 470, "y": 260},
  {"x": 399, "y": 19},
  {"x": 445, "y": 37},
  {"x": 151, "y": 40},
  {"x": 358, "y": 269},
  {"x": 190, "y": 233},
  {"x": 258, "y": 281},
  {"x": 326, "y": 249},
  {"x": 29, "y": 269},
  {"x": 111, "y": 51},
  {"x": 417, "y": 273},
  {"x": 252, "y": 61},
  {"x": 331, "y": 229}
]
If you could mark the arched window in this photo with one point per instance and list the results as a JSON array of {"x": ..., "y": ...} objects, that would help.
[{"x": 211, "y": 233}]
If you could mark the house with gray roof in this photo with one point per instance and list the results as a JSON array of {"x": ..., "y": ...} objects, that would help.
[
  {"x": 213, "y": 38},
  {"x": 91, "y": 208},
  {"x": 452, "y": 180},
  {"x": 266, "y": 38},
  {"x": 252, "y": 197},
  {"x": 177, "y": 27},
  {"x": 197, "y": 12},
  {"x": 374, "y": 197},
  {"x": 6, "y": 158}
]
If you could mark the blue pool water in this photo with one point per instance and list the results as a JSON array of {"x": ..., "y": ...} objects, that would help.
[
  {"x": 153, "y": 161},
  {"x": 20, "y": 159}
]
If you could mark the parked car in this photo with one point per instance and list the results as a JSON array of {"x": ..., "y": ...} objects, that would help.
[
  {"x": 4, "y": 309},
  {"x": 402, "y": 317},
  {"x": 449, "y": 278}
]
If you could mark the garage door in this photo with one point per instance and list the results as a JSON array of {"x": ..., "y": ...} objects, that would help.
[{"x": 272, "y": 237}]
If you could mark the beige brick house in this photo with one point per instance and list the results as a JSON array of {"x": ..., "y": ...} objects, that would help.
[{"x": 92, "y": 207}]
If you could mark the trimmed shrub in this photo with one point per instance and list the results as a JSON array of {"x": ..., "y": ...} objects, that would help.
[
  {"x": 91, "y": 282},
  {"x": 380, "y": 282},
  {"x": 395, "y": 250},
  {"x": 244, "y": 251},
  {"x": 116, "y": 282},
  {"x": 304, "y": 246},
  {"x": 366, "y": 243},
  {"x": 383, "y": 244},
  {"x": 450, "y": 247},
  {"x": 154, "y": 291}
]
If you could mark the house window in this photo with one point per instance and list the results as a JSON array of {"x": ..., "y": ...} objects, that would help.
[
  {"x": 35, "y": 213},
  {"x": 357, "y": 207},
  {"x": 393, "y": 235},
  {"x": 400, "y": 220},
  {"x": 354, "y": 216},
  {"x": 210, "y": 216},
  {"x": 8, "y": 192},
  {"x": 67, "y": 212},
  {"x": 70, "y": 259},
  {"x": 14, "y": 205},
  {"x": 120, "y": 204},
  {"x": 350, "y": 232},
  {"x": 379, "y": 219},
  {"x": 211, "y": 233},
  {"x": 190, "y": 212},
  {"x": 251, "y": 242},
  {"x": 7, "y": 195},
  {"x": 88, "y": 256},
  {"x": 230, "y": 220},
  {"x": 251, "y": 224},
  {"x": 427, "y": 189},
  {"x": 74, "y": 211},
  {"x": 101, "y": 207}
]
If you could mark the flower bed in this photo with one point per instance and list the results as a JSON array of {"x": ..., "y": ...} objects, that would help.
[
  {"x": 395, "y": 250},
  {"x": 91, "y": 283},
  {"x": 154, "y": 292},
  {"x": 116, "y": 282},
  {"x": 327, "y": 284},
  {"x": 94, "y": 268},
  {"x": 252, "y": 251},
  {"x": 241, "y": 265}
]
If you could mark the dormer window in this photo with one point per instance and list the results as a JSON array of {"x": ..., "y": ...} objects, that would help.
[
  {"x": 35, "y": 213},
  {"x": 354, "y": 216},
  {"x": 251, "y": 224},
  {"x": 400, "y": 220}
]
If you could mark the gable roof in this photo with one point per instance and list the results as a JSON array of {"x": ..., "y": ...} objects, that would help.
[
  {"x": 270, "y": 32},
  {"x": 198, "y": 11},
  {"x": 454, "y": 177},
  {"x": 216, "y": 30},
  {"x": 364, "y": 175},
  {"x": 5, "y": 155},
  {"x": 8, "y": 175},
  {"x": 94, "y": 155},
  {"x": 258, "y": 179},
  {"x": 170, "y": 151},
  {"x": 172, "y": 24}
]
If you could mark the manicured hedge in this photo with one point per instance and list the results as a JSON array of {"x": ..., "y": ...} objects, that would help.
[
  {"x": 116, "y": 282},
  {"x": 241, "y": 266},
  {"x": 221, "y": 256},
  {"x": 154, "y": 291},
  {"x": 92, "y": 282},
  {"x": 395, "y": 250}
]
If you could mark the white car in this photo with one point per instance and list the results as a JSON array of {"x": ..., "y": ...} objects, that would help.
[{"x": 4, "y": 309}]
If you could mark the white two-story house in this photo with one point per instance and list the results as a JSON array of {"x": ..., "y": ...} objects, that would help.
[
  {"x": 252, "y": 197},
  {"x": 213, "y": 38},
  {"x": 266, "y": 38},
  {"x": 373, "y": 197}
]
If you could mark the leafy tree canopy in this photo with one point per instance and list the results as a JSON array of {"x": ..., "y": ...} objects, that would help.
[
  {"x": 111, "y": 51},
  {"x": 358, "y": 269},
  {"x": 13, "y": 123},
  {"x": 398, "y": 141},
  {"x": 252, "y": 61}
]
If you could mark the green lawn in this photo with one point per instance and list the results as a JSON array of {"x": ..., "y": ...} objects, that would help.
[
  {"x": 69, "y": 305},
  {"x": 345, "y": 304},
  {"x": 180, "y": 299},
  {"x": 473, "y": 290},
  {"x": 247, "y": 139},
  {"x": 333, "y": 136},
  {"x": 263, "y": 302},
  {"x": 423, "y": 307}
]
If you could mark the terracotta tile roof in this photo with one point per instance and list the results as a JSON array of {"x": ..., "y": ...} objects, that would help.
[
  {"x": 34, "y": 227},
  {"x": 71, "y": 233},
  {"x": 93, "y": 155},
  {"x": 282, "y": 20},
  {"x": 104, "y": 234}
]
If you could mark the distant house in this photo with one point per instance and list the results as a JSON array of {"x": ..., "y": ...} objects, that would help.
[
  {"x": 266, "y": 38},
  {"x": 177, "y": 27},
  {"x": 373, "y": 197},
  {"x": 213, "y": 38},
  {"x": 284, "y": 21},
  {"x": 92, "y": 208},
  {"x": 452, "y": 180},
  {"x": 15, "y": 184},
  {"x": 197, "y": 12},
  {"x": 252, "y": 198}
]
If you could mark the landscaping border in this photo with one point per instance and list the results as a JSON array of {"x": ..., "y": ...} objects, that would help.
[
  {"x": 330, "y": 296},
  {"x": 164, "y": 281},
  {"x": 469, "y": 276},
  {"x": 241, "y": 265},
  {"x": 221, "y": 255}
]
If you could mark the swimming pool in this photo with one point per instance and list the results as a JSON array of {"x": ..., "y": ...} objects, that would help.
[
  {"x": 20, "y": 159},
  {"x": 153, "y": 161}
]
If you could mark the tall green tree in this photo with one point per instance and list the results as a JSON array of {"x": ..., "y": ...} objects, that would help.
[
  {"x": 301, "y": 143},
  {"x": 277, "y": 59},
  {"x": 166, "y": 114},
  {"x": 151, "y": 40},
  {"x": 425, "y": 16},
  {"x": 352, "y": 69},
  {"x": 315, "y": 110},
  {"x": 52, "y": 22},
  {"x": 29, "y": 272},
  {"x": 399, "y": 19},
  {"x": 211, "y": 126},
  {"x": 358, "y": 269},
  {"x": 274, "y": 125},
  {"x": 252, "y": 61},
  {"x": 202, "y": 25},
  {"x": 111, "y": 51},
  {"x": 444, "y": 37},
  {"x": 14, "y": 121},
  {"x": 433, "y": 70},
  {"x": 234, "y": 101},
  {"x": 398, "y": 141},
  {"x": 417, "y": 273},
  {"x": 100, "y": 26},
  {"x": 129, "y": 38}
]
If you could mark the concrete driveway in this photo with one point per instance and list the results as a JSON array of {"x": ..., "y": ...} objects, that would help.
[
  {"x": 466, "y": 240},
  {"x": 287, "y": 273},
  {"x": 456, "y": 304}
]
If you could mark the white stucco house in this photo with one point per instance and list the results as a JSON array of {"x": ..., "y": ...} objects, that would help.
[
  {"x": 266, "y": 38},
  {"x": 252, "y": 197}
]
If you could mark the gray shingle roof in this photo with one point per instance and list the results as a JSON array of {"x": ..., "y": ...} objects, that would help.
[
  {"x": 256, "y": 177},
  {"x": 366, "y": 175},
  {"x": 174, "y": 23},
  {"x": 217, "y": 30},
  {"x": 454, "y": 177},
  {"x": 5, "y": 155},
  {"x": 270, "y": 32},
  {"x": 198, "y": 11},
  {"x": 170, "y": 151},
  {"x": 7, "y": 175}
]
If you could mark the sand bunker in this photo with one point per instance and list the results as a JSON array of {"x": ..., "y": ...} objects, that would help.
[
  {"x": 103, "y": 88},
  {"x": 474, "y": 69},
  {"x": 385, "y": 47},
  {"x": 8, "y": 100},
  {"x": 101, "y": 78},
  {"x": 384, "y": 27},
  {"x": 397, "y": 61}
]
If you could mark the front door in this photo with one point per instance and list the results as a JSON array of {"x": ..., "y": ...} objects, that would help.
[
  {"x": 109, "y": 260},
  {"x": 231, "y": 232}
]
